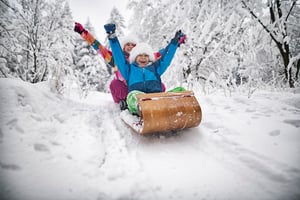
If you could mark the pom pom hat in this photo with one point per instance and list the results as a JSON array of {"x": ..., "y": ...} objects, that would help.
[
  {"x": 128, "y": 39},
  {"x": 141, "y": 48}
]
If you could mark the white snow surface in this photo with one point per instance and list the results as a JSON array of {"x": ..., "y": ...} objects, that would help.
[{"x": 59, "y": 148}]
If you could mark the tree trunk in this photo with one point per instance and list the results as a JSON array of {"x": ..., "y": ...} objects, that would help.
[
  {"x": 298, "y": 69},
  {"x": 5, "y": 76},
  {"x": 285, "y": 54}
]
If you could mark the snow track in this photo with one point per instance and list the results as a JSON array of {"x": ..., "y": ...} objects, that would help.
[{"x": 65, "y": 149}]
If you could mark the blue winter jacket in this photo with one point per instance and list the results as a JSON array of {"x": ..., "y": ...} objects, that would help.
[{"x": 145, "y": 79}]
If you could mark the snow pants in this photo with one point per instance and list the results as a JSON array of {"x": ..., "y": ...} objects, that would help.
[{"x": 118, "y": 90}]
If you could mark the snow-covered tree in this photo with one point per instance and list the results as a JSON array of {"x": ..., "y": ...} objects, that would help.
[
  {"x": 278, "y": 29},
  {"x": 225, "y": 47},
  {"x": 38, "y": 41},
  {"x": 90, "y": 69},
  {"x": 10, "y": 49},
  {"x": 211, "y": 28},
  {"x": 118, "y": 19},
  {"x": 61, "y": 39},
  {"x": 33, "y": 37},
  {"x": 153, "y": 25}
]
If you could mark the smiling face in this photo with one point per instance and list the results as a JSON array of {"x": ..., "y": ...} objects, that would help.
[
  {"x": 142, "y": 54},
  {"x": 128, "y": 47},
  {"x": 142, "y": 60}
]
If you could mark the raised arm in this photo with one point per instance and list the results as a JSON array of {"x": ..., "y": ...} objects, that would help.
[
  {"x": 169, "y": 52},
  {"x": 117, "y": 51},
  {"x": 89, "y": 38}
]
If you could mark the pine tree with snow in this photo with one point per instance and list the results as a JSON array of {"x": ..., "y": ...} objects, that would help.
[
  {"x": 90, "y": 69},
  {"x": 117, "y": 19},
  {"x": 37, "y": 41}
]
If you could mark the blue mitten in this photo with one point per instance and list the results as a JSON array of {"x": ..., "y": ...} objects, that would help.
[{"x": 110, "y": 28}]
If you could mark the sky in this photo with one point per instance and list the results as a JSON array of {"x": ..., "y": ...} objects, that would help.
[{"x": 98, "y": 12}]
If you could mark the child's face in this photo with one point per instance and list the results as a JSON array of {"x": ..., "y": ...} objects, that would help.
[
  {"x": 128, "y": 47},
  {"x": 142, "y": 60}
]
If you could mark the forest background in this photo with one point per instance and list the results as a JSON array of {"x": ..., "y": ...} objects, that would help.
[{"x": 232, "y": 44}]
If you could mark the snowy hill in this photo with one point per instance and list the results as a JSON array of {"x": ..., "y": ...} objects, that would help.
[{"x": 55, "y": 148}]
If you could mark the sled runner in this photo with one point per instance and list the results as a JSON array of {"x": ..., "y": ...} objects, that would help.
[{"x": 160, "y": 112}]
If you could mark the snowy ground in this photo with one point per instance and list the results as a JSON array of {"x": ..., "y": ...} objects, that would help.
[{"x": 53, "y": 148}]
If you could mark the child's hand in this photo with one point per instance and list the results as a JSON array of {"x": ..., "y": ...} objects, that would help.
[
  {"x": 78, "y": 28},
  {"x": 110, "y": 28},
  {"x": 177, "y": 36},
  {"x": 180, "y": 37},
  {"x": 182, "y": 40}
]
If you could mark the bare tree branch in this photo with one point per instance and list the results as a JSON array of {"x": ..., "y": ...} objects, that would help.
[
  {"x": 259, "y": 21},
  {"x": 287, "y": 16},
  {"x": 3, "y": 73},
  {"x": 7, "y": 5}
]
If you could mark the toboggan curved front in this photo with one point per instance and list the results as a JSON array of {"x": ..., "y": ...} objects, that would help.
[{"x": 168, "y": 111}]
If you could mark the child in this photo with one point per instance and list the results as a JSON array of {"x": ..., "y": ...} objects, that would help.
[
  {"x": 142, "y": 73},
  {"x": 118, "y": 86}
]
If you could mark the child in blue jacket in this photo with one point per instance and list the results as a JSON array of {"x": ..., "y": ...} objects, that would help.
[{"x": 141, "y": 72}]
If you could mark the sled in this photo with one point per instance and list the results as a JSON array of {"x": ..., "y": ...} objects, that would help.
[{"x": 161, "y": 112}]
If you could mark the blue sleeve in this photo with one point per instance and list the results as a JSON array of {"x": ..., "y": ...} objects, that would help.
[
  {"x": 167, "y": 56},
  {"x": 162, "y": 51},
  {"x": 119, "y": 57}
]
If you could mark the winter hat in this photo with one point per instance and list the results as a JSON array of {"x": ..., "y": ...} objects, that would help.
[
  {"x": 128, "y": 39},
  {"x": 141, "y": 48}
]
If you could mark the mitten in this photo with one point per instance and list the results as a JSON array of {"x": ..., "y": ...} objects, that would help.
[
  {"x": 178, "y": 35},
  {"x": 182, "y": 40},
  {"x": 78, "y": 28},
  {"x": 110, "y": 28}
]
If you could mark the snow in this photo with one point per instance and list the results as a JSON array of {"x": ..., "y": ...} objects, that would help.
[
  {"x": 132, "y": 120},
  {"x": 54, "y": 147}
]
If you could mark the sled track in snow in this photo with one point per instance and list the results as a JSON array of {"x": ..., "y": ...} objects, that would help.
[{"x": 120, "y": 161}]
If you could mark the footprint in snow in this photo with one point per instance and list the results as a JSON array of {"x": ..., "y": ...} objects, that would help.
[
  {"x": 274, "y": 133},
  {"x": 13, "y": 124},
  {"x": 36, "y": 117},
  {"x": 41, "y": 147},
  {"x": 59, "y": 118},
  {"x": 12, "y": 167},
  {"x": 1, "y": 135},
  {"x": 54, "y": 143},
  {"x": 210, "y": 125},
  {"x": 250, "y": 110},
  {"x": 293, "y": 122},
  {"x": 21, "y": 99}
]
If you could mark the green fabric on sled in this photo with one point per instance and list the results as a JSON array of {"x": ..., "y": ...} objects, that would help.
[
  {"x": 132, "y": 101},
  {"x": 177, "y": 89}
]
